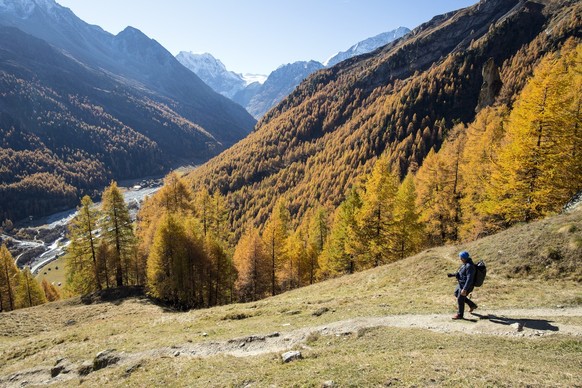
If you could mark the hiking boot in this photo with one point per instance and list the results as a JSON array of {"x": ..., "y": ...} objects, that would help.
[
  {"x": 457, "y": 316},
  {"x": 472, "y": 308}
]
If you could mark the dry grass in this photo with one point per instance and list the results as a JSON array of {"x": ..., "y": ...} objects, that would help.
[
  {"x": 379, "y": 357},
  {"x": 37, "y": 337},
  {"x": 54, "y": 272}
]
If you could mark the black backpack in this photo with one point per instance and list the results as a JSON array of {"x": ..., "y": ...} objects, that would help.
[{"x": 480, "y": 273}]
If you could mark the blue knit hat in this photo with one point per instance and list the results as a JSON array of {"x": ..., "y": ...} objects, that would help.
[{"x": 464, "y": 255}]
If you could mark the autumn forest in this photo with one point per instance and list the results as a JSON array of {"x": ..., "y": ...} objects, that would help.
[
  {"x": 364, "y": 164},
  {"x": 507, "y": 166}
]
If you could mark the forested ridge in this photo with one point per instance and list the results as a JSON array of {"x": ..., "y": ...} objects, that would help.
[
  {"x": 507, "y": 166},
  {"x": 68, "y": 127},
  {"x": 401, "y": 100}
]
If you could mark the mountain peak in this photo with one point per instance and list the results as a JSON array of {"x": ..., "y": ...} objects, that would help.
[
  {"x": 213, "y": 72},
  {"x": 141, "y": 47},
  {"x": 133, "y": 34},
  {"x": 25, "y": 8},
  {"x": 197, "y": 62},
  {"x": 368, "y": 45}
]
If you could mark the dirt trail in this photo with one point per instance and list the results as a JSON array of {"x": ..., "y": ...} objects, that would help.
[
  {"x": 515, "y": 323},
  {"x": 524, "y": 323}
]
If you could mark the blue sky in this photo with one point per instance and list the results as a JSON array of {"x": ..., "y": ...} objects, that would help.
[{"x": 257, "y": 36}]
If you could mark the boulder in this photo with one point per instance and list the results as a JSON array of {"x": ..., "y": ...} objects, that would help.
[
  {"x": 291, "y": 356},
  {"x": 85, "y": 368},
  {"x": 61, "y": 366},
  {"x": 105, "y": 359}
]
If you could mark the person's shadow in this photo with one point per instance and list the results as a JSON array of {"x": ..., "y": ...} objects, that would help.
[{"x": 535, "y": 324}]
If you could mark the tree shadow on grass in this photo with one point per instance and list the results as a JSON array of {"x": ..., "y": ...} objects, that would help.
[
  {"x": 118, "y": 295},
  {"x": 535, "y": 324}
]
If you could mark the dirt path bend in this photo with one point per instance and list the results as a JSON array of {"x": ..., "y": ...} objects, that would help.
[{"x": 526, "y": 323}]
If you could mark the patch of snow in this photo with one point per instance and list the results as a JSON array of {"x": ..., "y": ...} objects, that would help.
[
  {"x": 367, "y": 45},
  {"x": 20, "y": 8},
  {"x": 252, "y": 78}
]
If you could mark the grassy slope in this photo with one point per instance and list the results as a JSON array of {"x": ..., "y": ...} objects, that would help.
[
  {"x": 54, "y": 272},
  {"x": 552, "y": 249}
]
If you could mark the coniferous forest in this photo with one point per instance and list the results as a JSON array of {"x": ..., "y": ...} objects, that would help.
[
  {"x": 364, "y": 164},
  {"x": 67, "y": 126},
  {"x": 509, "y": 165}
]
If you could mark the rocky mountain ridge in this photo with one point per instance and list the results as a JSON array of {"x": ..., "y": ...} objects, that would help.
[
  {"x": 367, "y": 45},
  {"x": 259, "y": 98},
  {"x": 213, "y": 72},
  {"x": 400, "y": 101}
]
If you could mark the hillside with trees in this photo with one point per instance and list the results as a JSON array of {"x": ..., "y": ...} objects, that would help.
[
  {"x": 80, "y": 107},
  {"x": 344, "y": 210},
  {"x": 389, "y": 325},
  {"x": 400, "y": 103},
  {"x": 514, "y": 159},
  {"x": 508, "y": 166}
]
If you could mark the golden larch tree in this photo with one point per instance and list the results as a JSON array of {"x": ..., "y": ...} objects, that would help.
[
  {"x": 30, "y": 293},
  {"x": 9, "y": 280},
  {"x": 536, "y": 173},
  {"x": 408, "y": 231},
  {"x": 253, "y": 264}
]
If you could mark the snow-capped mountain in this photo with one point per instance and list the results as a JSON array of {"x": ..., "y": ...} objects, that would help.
[
  {"x": 25, "y": 8},
  {"x": 367, "y": 45},
  {"x": 213, "y": 72},
  {"x": 259, "y": 93},
  {"x": 121, "y": 103},
  {"x": 252, "y": 78},
  {"x": 278, "y": 85}
]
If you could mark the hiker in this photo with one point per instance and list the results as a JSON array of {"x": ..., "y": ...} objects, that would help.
[{"x": 466, "y": 278}]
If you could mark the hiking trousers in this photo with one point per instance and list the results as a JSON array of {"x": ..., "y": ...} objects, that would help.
[{"x": 461, "y": 300}]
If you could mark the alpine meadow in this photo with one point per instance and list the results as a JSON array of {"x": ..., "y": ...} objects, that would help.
[{"x": 313, "y": 248}]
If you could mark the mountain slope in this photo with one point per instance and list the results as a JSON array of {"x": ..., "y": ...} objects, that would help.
[
  {"x": 212, "y": 72},
  {"x": 401, "y": 310},
  {"x": 139, "y": 60},
  {"x": 367, "y": 45},
  {"x": 85, "y": 106},
  {"x": 278, "y": 85},
  {"x": 258, "y": 98},
  {"x": 399, "y": 100}
]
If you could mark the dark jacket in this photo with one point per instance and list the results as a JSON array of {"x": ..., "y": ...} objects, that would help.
[{"x": 466, "y": 275}]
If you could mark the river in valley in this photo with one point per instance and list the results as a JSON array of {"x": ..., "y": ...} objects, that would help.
[{"x": 35, "y": 243}]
